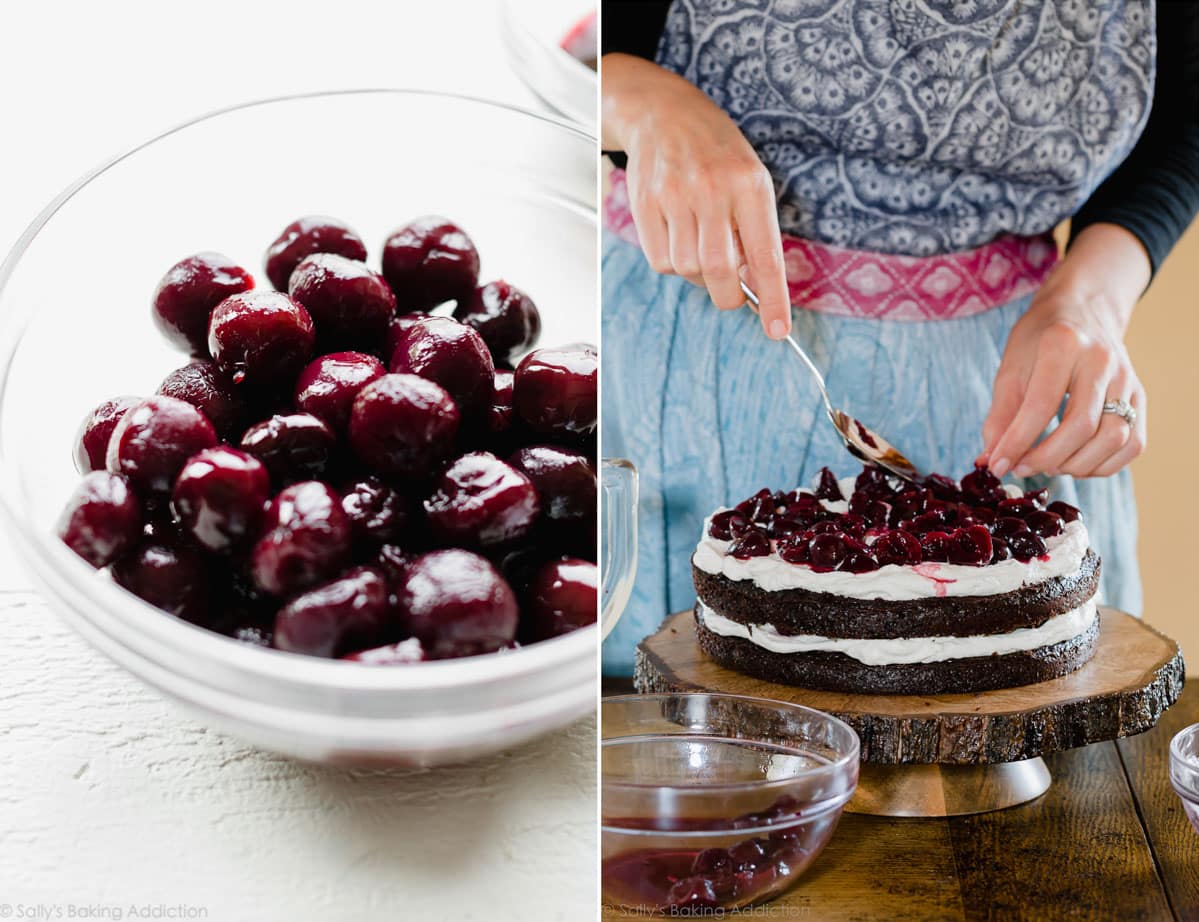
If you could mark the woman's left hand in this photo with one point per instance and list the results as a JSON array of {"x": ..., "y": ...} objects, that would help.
[{"x": 1071, "y": 342}]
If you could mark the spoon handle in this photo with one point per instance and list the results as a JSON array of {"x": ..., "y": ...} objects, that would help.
[{"x": 754, "y": 304}]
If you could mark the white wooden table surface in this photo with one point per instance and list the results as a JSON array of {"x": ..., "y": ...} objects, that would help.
[{"x": 111, "y": 799}]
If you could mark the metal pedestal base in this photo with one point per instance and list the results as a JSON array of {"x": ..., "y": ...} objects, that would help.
[{"x": 947, "y": 790}]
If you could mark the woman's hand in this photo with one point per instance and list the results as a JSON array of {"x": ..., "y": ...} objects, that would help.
[
  {"x": 702, "y": 201},
  {"x": 1071, "y": 341}
]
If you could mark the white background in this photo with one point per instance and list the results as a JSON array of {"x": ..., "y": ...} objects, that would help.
[{"x": 108, "y": 796}]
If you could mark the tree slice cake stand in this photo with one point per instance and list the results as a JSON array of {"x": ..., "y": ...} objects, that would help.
[{"x": 949, "y": 755}]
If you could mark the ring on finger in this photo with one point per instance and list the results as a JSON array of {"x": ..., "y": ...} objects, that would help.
[{"x": 1122, "y": 408}]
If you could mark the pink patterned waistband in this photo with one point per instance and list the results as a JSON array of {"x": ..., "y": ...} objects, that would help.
[{"x": 859, "y": 283}]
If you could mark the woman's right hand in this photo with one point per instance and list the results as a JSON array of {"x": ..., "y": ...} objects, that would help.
[{"x": 702, "y": 202}]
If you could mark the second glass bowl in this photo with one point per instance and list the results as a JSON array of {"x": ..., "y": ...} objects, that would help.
[
  {"x": 716, "y": 801},
  {"x": 1184, "y": 771}
]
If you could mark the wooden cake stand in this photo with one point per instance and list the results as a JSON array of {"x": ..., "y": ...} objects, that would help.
[{"x": 949, "y": 755}]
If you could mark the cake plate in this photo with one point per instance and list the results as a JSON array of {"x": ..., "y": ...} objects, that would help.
[{"x": 950, "y": 755}]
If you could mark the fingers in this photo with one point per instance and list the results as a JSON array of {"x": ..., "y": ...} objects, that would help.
[
  {"x": 1133, "y": 447},
  {"x": 684, "y": 244},
  {"x": 1043, "y": 395},
  {"x": 756, "y": 217},
  {"x": 1005, "y": 403},
  {"x": 718, "y": 260},
  {"x": 1116, "y": 443},
  {"x": 1089, "y": 385}
]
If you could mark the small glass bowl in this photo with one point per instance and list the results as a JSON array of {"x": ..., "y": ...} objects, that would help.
[
  {"x": 1184, "y": 770},
  {"x": 75, "y": 329},
  {"x": 716, "y": 801},
  {"x": 533, "y": 33}
]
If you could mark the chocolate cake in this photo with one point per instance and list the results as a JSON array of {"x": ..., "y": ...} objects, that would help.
[{"x": 875, "y": 585}]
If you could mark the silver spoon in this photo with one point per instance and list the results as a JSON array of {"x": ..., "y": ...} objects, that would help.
[{"x": 862, "y": 442}]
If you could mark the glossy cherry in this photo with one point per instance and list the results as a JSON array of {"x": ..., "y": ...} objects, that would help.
[
  {"x": 562, "y": 597},
  {"x": 403, "y": 425},
  {"x": 351, "y": 305},
  {"x": 453, "y": 355},
  {"x": 457, "y": 604},
  {"x": 348, "y": 613},
  {"x": 429, "y": 261},
  {"x": 306, "y": 539},
  {"x": 312, "y": 234},
  {"x": 262, "y": 338},
  {"x": 152, "y": 442},
  {"x": 555, "y": 391},
  {"x": 1026, "y": 545},
  {"x": 1046, "y": 524},
  {"x": 827, "y": 551},
  {"x": 499, "y": 419},
  {"x": 327, "y": 386},
  {"x": 971, "y": 546},
  {"x": 1065, "y": 510},
  {"x": 897, "y": 547},
  {"x": 102, "y": 519},
  {"x": 187, "y": 294},
  {"x": 378, "y": 512},
  {"x": 171, "y": 575},
  {"x": 220, "y": 496},
  {"x": 480, "y": 502},
  {"x": 293, "y": 446},
  {"x": 565, "y": 482},
  {"x": 751, "y": 543},
  {"x": 398, "y": 326},
  {"x": 505, "y": 317},
  {"x": 91, "y": 440},
  {"x": 212, "y": 392},
  {"x": 829, "y": 488}
]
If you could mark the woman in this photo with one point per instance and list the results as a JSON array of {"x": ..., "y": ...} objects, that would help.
[{"x": 885, "y": 177}]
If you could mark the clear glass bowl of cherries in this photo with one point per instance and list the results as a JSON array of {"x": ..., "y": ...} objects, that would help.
[{"x": 362, "y": 505}]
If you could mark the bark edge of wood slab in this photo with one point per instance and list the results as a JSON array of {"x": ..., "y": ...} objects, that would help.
[{"x": 1135, "y": 674}]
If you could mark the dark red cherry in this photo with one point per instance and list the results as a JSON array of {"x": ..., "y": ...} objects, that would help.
[
  {"x": 897, "y": 547},
  {"x": 1006, "y": 526},
  {"x": 312, "y": 234},
  {"x": 712, "y": 862},
  {"x": 219, "y": 497},
  {"x": 91, "y": 440},
  {"x": 796, "y": 547},
  {"x": 692, "y": 893},
  {"x": 943, "y": 488},
  {"x": 293, "y": 446},
  {"x": 102, "y": 519},
  {"x": 981, "y": 486},
  {"x": 1025, "y": 546},
  {"x": 752, "y": 543},
  {"x": 398, "y": 326},
  {"x": 187, "y": 294},
  {"x": 327, "y": 386},
  {"x": 932, "y": 520},
  {"x": 391, "y": 561},
  {"x": 1045, "y": 524},
  {"x": 829, "y": 488},
  {"x": 306, "y": 539},
  {"x": 555, "y": 390},
  {"x": 728, "y": 525},
  {"x": 1000, "y": 550},
  {"x": 908, "y": 505},
  {"x": 971, "y": 546},
  {"x": 457, "y": 604},
  {"x": 873, "y": 511},
  {"x": 334, "y": 618},
  {"x": 748, "y": 855},
  {"x": 480, "y": 502},
  {"x": 351, "y": 306},
  {"x": 403, "y": 426},
  {"x": 1065, "y": 510},
  {"x": 877, "y": 483},
  {"x": 261, "y": 337},
  {"x": 1018, "y": 506},
  {"x": 852, "y": 525},
  {"x": 1038, "y": 497},
  {"x": 759, "y": 507},
  {"x": 499, "y": 419},
  {"x": 394, "y": 654},
  {"x": 430, "y": 261},
  {"x": 859, "y": 558},
  {"x": 377, "y": 511},
  {"x": 212, "y": 392},
  {"x": 454, "y": 356},
  {"x": 934, "y": 546},
  {"x": 505, "y": 317},
  {"x": 827, "y": 551},
  {"x": 565, "y": 483},
  {"x": 170, "y": 575},
  {"x": 153, "y": 440},
  {"x": 561, "y": 598}
]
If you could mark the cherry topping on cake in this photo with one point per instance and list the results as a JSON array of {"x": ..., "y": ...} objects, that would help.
[
  {"x": 829, "y": 488},
  {"x": 981, "y": 486},
  {"x": 795, "y": 547},
  {"x": 1000, "y": 550},
  {"x": 934, "y": 546},
  {"x": 827, "y": 551},
  {"x": 429, "y": 261},
  {"x": 1065, "y": 510},
  {"x": 727, "y": 525},
  {"x": 751, "y": 543},
  {"x": 971, "y": 546},
  {"x": 897, "y": 547},
  {"x": 308, "y": 235},
  {"x": 860, "y": 558},
  {"x": 1026, "y": 545},
  {"x": 1046, "y": 524},
  {"x": 102, "y": 519},
  {"x": 189, "y": 291},
  {"x": 943, "y": 488},
  {"x": 1006, "y": 526},
  {"x": 1017, "y": 506},
  {"x": 91, "y": 441}
]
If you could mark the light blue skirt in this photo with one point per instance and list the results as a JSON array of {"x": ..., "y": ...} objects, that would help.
[{"x": 710, "y": 411}]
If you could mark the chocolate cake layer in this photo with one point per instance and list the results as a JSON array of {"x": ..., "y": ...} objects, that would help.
[
  {"x": 798, "y": 611},
  {"x": 841, "y": 673}
]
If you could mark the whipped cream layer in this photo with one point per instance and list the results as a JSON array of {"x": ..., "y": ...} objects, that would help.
[
  {"x": 896, "y": 651},
  {"x": 895, "y": 583}
]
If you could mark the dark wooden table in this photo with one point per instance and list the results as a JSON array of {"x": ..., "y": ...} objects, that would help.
[{"x": 1108, "y": 841}]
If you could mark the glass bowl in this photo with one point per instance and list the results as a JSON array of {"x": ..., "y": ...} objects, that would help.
[
  {"x": 1184, "y": 770},
  {"x": 534, "y": 31},
  {"x": 75, "y": 329},
  {"x": 716, "y": 801}
]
